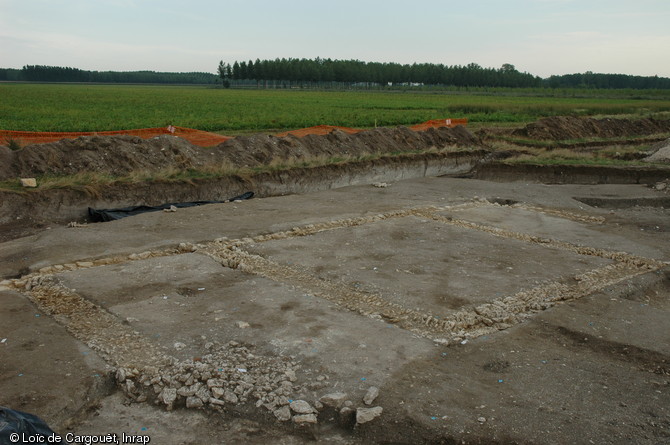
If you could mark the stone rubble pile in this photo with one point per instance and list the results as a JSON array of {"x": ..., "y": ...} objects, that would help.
[{"x": 231, "y": 375}]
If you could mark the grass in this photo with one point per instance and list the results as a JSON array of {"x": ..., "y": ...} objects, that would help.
[
  {"x": 80, "y": 107},
  {"x": 13, "y": 144}
]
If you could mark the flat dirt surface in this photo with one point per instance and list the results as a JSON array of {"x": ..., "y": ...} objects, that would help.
[{"x": 482, "y": 312}]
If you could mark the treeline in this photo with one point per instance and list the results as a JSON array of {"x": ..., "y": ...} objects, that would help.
[
  {"x": 607, "y": 81},
  {"x": 42, "y": 73},
  {"x": 327, "y": 73},
  {"x": 348, "y": 72},
  {"x": 294, "y": 71}
]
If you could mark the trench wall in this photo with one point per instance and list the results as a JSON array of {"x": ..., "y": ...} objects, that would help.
[{"x": 65, "y": 205}]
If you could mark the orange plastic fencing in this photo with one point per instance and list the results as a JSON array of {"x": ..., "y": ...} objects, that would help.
[
  {"x": 325, "y": 129},
  {"x": 196, "y": 137},
  {"x": 436, "y": 123},
  {"x": 318, "y": 129}
]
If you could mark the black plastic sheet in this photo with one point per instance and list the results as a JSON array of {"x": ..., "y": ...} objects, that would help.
[
  {"x": 15, "y": 426},
  {"x": 104, "y": 215}
]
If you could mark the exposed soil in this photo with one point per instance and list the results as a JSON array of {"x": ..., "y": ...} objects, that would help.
[
  {"x": 23, "y": 213},
  {"x": 121, "y": 155},
  {"x": 475, "y": 311},
  {"x": 570, "y": 174},
  {"x": 659, "y": 153},
  {"x": 613, "y": 203},
  {"x": 566, "y": 127},
  {"x": 527, "y": 318}
]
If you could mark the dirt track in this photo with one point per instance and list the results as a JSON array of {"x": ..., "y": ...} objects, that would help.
[{"x": 484, "y": 312}]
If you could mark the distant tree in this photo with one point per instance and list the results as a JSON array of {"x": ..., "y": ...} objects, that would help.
[
  {"x": 244, "y": 70},
  {"x": 235, "y": 71},
  {"x": 41, "y": 73},
  {"x": 606, "y": 81},
  {"x": 10, "y": 74},
  {"x": 251, "y": 70},
  {"x": 225, "y": 73},
  {"x": 259, "y": 72}
]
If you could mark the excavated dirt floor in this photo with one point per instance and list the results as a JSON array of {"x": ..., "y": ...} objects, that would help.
[{"x": 483, "y": 312}]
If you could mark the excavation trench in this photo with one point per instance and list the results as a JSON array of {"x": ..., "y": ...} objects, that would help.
[
  {"x": 20, "y": 211},
  {"x": 527, "y": 316}
]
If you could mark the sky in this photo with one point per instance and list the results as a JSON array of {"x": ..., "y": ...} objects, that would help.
[{"x": 541, "y": 37}]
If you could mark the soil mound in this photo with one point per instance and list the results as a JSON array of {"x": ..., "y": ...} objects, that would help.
[
  {"x": 197, "y": 137},
  {"x": 317, "y": 129},
  {"x": 660, "y": 153},
  {"x": 121, "y": 155},
  {"x": 566, "y": 127},
  {"x": 117, "y": 155},
  {"x": 261, "y": 149}
]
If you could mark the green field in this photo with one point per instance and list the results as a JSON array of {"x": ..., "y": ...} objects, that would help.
[{"x": 78, "y": 107}]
